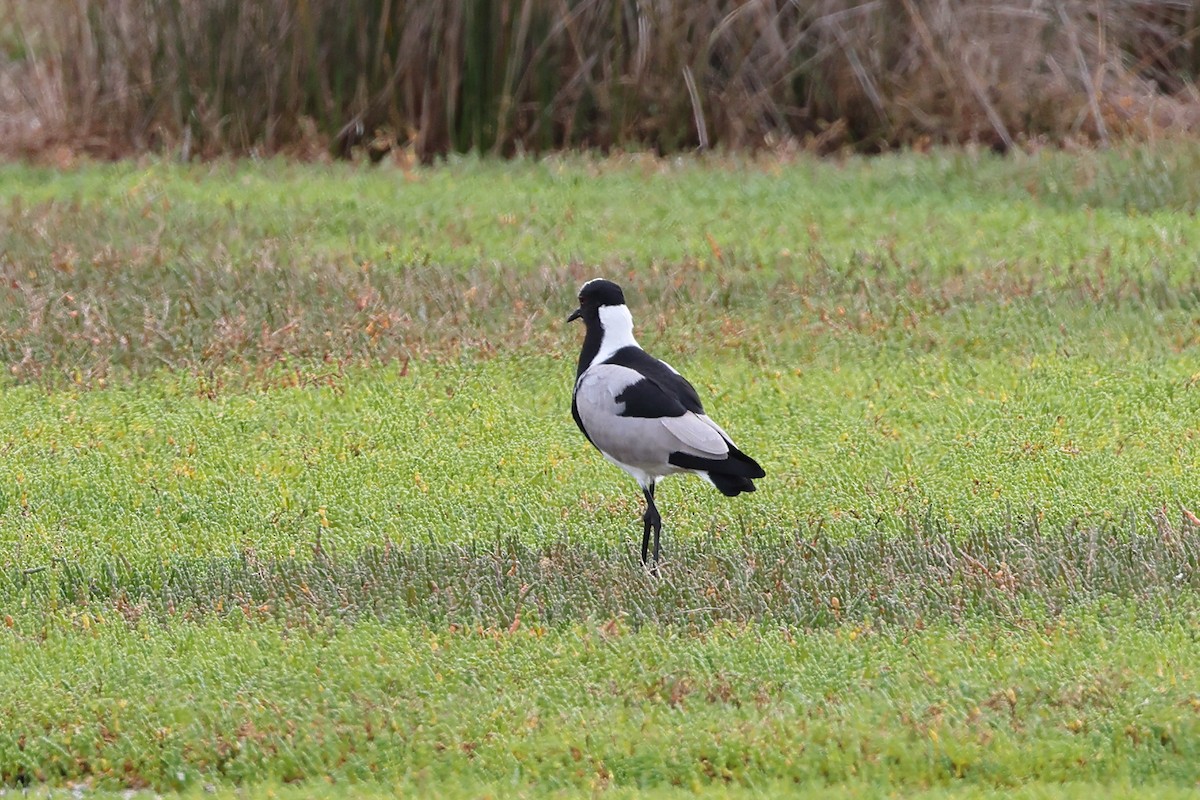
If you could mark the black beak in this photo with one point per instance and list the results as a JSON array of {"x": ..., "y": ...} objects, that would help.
[{"x": 576, "y": 314}]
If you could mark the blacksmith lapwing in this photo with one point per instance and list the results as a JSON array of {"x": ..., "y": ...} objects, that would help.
[{"x": 641, "y": 414}]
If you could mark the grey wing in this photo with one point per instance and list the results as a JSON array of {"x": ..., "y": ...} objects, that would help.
[
  {"x": 643, "y": 442},
  {"x": 699, "y": 433}
]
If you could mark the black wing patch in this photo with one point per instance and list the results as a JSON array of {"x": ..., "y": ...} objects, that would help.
[
  {"x": 662, "y": 392},
  {"x": 645, "y": 398}
]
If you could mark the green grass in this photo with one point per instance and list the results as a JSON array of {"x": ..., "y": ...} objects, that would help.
[
  {"x": 289, "y": 486},
  {"x": 1077, "y": 699},
  {"x": 485, "y": 449},
  {"x": 1073, "y": 790},
  {"x": 944, "y": 215},
  {"x": 244, "y": 264}
]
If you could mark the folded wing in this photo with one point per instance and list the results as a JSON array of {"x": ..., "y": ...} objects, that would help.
[{"x": 634, "y": 421}]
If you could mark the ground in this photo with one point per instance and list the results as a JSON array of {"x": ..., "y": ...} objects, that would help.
[{"x": 291, "y": 499}]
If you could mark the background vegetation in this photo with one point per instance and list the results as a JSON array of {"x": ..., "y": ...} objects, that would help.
[{"x": 202, "y": 77}]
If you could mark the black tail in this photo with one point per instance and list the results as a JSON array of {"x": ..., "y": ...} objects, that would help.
[
  {"x": 731, "y": 485},
  {"x": 732, "y": 475}
]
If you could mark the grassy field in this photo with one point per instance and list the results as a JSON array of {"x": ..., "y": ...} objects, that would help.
[{"x": 290, "y": 493}]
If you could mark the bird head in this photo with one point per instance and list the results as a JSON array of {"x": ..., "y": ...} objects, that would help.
[{"x": 594, "y": 295}]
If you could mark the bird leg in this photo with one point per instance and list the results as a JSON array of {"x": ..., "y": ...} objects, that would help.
[
  {"x": 651, "y": 520},
  {"x": 657, "y": 526}
]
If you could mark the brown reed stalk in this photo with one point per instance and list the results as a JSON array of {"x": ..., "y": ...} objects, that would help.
[{"x": 206, "y": 77}]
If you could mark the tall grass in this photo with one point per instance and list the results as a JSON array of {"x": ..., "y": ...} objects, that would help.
[
  {"x": 808, "y": 580},
  {"x": 200, "y": 77}
]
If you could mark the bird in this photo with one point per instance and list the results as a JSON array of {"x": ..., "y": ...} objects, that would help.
[{"x": 642, "y": 415}]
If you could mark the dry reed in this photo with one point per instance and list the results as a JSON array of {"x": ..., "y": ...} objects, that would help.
[{"x": 208, "y": 77}]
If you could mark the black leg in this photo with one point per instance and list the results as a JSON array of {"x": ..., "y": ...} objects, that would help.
[
  {"x": 657, "y": 527},
  {"x": 646, "y": 526},
  {"x": 651, "y": 521}
]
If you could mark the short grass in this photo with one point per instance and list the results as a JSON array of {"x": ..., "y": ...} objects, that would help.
[
  {"x": 234, "y": 701},
  {"x": 452, "y": 452},
  {"x": 844, "y": 791},
  {"x": 289, "y": 488},
  {"x": 138, "y": 267}
]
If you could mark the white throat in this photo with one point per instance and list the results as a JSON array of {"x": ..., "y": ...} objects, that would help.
[{"x": 617, "y": 323}]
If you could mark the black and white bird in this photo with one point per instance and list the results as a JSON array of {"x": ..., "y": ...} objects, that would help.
[{"x": 641, "y": 414}]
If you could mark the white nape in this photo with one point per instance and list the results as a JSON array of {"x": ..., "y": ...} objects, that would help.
[{"x": 618, "y": 332}]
